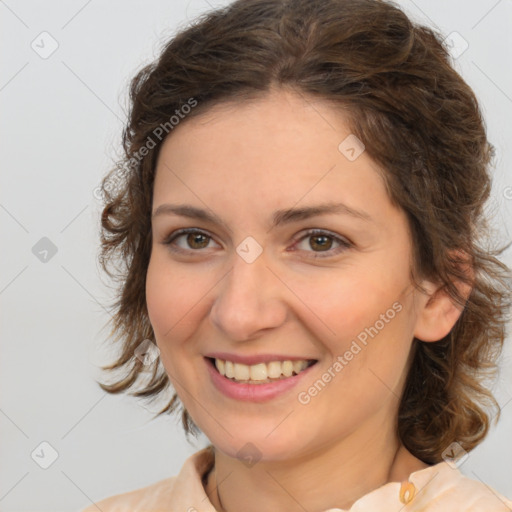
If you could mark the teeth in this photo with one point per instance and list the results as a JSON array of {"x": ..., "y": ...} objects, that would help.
[
  {"x": 287, "y": 368},
  {"x": 256, "y": 371},
  {"x": 298, "y": 366},
  {"x": 260, "y": 372},
  {"x": 230, "y": 369},
  {"x": 242, "y": 372},
  {"x": 221, "y": 366},
  {"x": 274, "y": 369}
]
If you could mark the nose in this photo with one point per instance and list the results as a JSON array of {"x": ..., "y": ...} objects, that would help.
[{"x": 250, "y": 300}]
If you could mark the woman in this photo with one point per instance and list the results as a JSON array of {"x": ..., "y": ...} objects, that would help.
[{"x": 300, "y": 219}]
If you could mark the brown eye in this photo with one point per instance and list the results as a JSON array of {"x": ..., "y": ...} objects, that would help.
[
  {"x": 321, "y": 241},
  {"x": 197, "y": 240},
  {"x": 194, "y": 240}
]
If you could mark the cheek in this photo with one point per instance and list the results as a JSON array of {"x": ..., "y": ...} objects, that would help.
[
  {"x": 158, "y": 298},
  {"x": 169, "y": 299},
  {"x": 367, "y": 322},
  {"x": 354, "y": 300}
]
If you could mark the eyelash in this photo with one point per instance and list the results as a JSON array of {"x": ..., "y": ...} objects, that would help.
[{"x": 344, "y": 244}]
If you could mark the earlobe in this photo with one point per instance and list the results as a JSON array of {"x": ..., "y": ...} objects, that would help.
[{"x": 438, "y": 310}]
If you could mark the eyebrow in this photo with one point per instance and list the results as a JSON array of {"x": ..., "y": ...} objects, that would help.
[{"x": 280, "y": 217}]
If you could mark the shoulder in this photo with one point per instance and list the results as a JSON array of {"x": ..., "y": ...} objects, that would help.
[
  {"x": 447, "y": 488},
  {"x": 178, "y": 492},
  {"x": 150, "y": 497},
  {"x": 437, "y": 488}
]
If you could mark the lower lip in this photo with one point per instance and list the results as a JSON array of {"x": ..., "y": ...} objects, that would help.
[{"x": 253, "y": 392}]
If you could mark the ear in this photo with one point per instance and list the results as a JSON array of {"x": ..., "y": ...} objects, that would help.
[{"x": 437, "y": 311}]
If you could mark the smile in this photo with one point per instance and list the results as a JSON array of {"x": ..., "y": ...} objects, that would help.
[{"x": 261, "y": 373}]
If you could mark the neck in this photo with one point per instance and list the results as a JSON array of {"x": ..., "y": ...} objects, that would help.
[{"x": 334, "y": 476}]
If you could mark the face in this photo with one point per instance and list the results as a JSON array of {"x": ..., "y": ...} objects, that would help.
[{"x": 332, "y": 287}]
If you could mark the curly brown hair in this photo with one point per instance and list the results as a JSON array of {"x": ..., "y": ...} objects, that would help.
[{"x": 417, "y": 118}]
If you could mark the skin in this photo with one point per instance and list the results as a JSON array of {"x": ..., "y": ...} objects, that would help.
[{"x": 243, "y": 162}]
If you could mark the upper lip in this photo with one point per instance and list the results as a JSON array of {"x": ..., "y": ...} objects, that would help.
[{"x": 256, "y": 358}]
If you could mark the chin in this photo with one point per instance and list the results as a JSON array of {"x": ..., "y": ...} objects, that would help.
[{"x": 253, "y": 448}]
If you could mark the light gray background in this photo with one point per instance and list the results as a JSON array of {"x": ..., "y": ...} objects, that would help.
[{"x": 61, "y": 121}]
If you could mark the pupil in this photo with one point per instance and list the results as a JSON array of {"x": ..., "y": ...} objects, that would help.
[
  {"x": 196, "y": 237},
  {"x": 322, "y": 246}
]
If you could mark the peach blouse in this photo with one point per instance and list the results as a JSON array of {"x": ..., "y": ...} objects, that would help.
[{"x": 438, "y": 488}]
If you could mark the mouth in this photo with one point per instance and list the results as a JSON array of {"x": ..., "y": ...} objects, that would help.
[{"x": 260, "y": 373}]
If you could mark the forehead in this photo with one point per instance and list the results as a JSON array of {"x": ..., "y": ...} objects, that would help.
[{"x": 269, "y": 152}]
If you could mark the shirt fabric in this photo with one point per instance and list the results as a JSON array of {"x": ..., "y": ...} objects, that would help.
[{"x": 438, "y": 488}]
